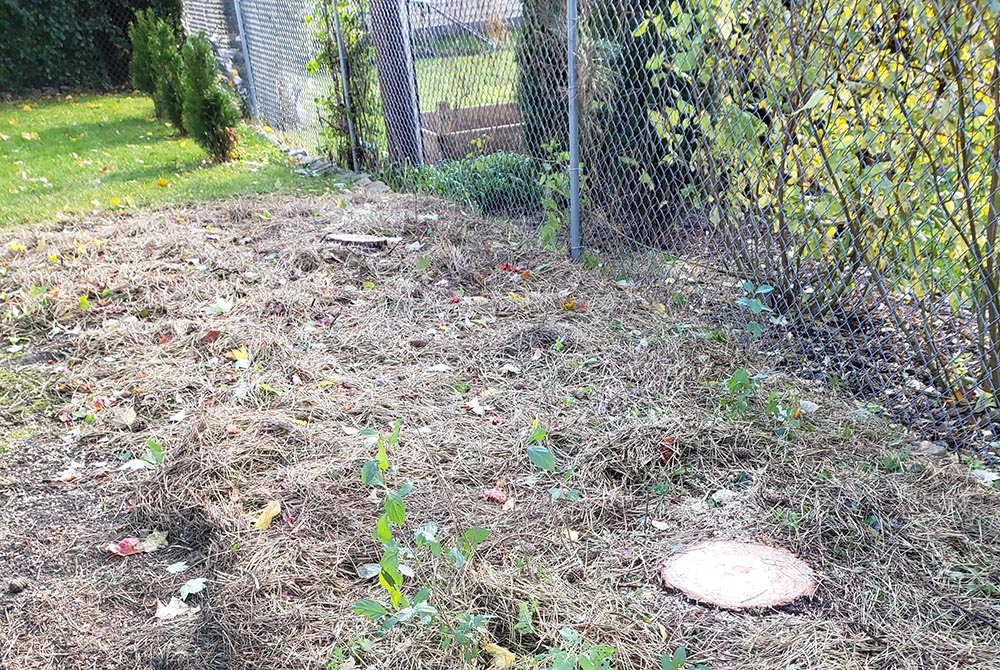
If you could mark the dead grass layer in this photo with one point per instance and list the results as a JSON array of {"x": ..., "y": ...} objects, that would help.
[{"x": 340, "y": 340}]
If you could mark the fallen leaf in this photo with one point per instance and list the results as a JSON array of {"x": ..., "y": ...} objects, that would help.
[
  {"x": 210, "y": 336},
  {"x": 440, "y": 367},
  {"x": 191, "y": 586},
  {"x": 26, "y": 107},
  {"x": 571, "y": 535},
  {"x": 233, "y": 429},
  {"x": 173, "y": 609},
  {"x": 124, "y": 547},
  {"x": 162, "y": 183},
  {"x": 495, "y": 494},
  {"x": 125, "y": 418},
  {"x": 154, "y": 541},
  {"x": 69, "y": 474},
  {"x": 476, "y": 407},
  {"x": 667, "y": 449},
  {"x": 503, "y": 658},
  {"x": 177, "y": 567},
  {"x": 265, "y": 518},
  {"x": 510, "y": 369}
]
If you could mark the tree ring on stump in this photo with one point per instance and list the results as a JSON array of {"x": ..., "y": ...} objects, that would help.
[{"x": 738, "y": 575}]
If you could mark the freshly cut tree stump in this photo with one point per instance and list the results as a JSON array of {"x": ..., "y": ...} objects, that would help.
[{"x": 738, "y": 575}]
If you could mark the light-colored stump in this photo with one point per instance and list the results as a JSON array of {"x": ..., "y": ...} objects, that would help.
[{"x": 738, "y": 575}]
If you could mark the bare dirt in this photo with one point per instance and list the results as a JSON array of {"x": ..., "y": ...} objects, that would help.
[{"x": 254, "y": 352}]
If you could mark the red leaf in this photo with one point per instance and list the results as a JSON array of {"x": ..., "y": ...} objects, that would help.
[
  {"x": 667, "y": 451},
  {"x": 164, "y": 339},
  {"x": 454, "y": 299},
  {"x": 126, "y": 547},
  {"x": 210, "y": 336},
  {"x": 495, "y": 494}
]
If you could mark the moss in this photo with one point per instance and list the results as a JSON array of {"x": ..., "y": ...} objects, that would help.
[{"x": 23, "y": 391}]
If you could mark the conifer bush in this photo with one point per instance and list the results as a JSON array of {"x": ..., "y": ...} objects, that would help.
[
  {"x": 141, "y": 67},
  {"x": 165, "y": 54},
  {"x": 210, "y": 113}
]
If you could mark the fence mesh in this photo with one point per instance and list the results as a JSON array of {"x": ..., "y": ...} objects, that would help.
[{"x": 823, "y": 172}]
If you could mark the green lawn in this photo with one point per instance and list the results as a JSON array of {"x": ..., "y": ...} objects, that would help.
[
  {"x": 467, "y": 81},
  {"x": 92, "y": 153}
]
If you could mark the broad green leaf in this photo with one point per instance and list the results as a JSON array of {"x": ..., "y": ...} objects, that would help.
[
  {"x": 370, "y": 474},
  {"x": 541, "y": 457},
  {"x": 370, "y": 609},
  {"x": 394, "y": 508},
  {"x": 383, "y": 531}
]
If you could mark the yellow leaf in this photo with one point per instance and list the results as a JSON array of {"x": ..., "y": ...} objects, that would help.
[
  {"x": 26, "y": 108},
  {"x": 16, "y": 246},
  {"x": 265, "y": 518},
  {"x": 516, "y": 297},
  {"x": 162, "y": 183},
  {"x": 569, "y": 303},
  {"x": 115, "y": 202},
  {"x": 240, "y": 354},
  {"x": 182, "y": 144},
  {"x": 503, "y": 658}
]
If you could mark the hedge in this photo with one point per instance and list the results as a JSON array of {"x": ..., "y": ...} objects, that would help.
[{"x": 81, "y": 43}]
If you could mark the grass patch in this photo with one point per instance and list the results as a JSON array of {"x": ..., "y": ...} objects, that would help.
[
  {"x": 97, "y": 153},
  {"x": 469, "y": 80}
]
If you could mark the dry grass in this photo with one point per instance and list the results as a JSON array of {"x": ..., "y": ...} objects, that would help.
[{"x": 348, "y": 338}]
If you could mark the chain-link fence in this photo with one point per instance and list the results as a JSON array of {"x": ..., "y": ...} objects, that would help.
[{"x": 825, "y": 168}]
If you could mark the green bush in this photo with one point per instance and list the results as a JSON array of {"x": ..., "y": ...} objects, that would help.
[
  {"x": 210, "y": 113},
  {"x": 165, "y": 54},
  {"x": 500, "y": 183},
  {"x": 141, "y": 69}
]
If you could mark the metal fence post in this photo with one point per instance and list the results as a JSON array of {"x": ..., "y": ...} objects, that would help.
[
  {"x": 574, "y": 132},
  {"x": 348, "y": 109},
  {"x": 251, "y": 87}
]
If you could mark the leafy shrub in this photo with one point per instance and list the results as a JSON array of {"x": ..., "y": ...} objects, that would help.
[
  {"x": 169, "y": 11},
  {"x": 500, "y": 183},
  {"x": 366, "y": 105},
  {"x": 141, "y": 69},
  {"x": 71, "y": 42},
  {"x": 210, "y": 113},
  {"x": 165, "y": 55}
]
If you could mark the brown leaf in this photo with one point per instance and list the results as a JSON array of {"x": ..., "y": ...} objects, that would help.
[{"x": 210, "y": 336}]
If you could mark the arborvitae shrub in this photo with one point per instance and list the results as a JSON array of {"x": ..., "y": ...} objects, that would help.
[
  {"x": 141, "y": 67},
  {"x": 168, "y": 67},
  {"x": 210, "y": 113}
]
